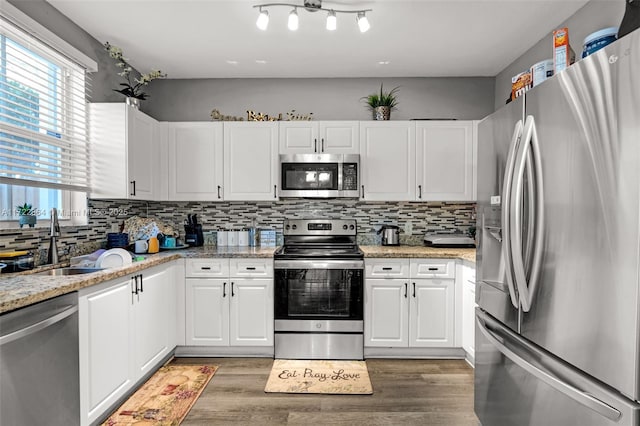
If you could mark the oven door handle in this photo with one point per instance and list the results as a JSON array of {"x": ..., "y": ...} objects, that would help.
[{"x": 318, "y": 264}]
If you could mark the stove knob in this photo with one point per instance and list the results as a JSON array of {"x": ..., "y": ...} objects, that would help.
[
  {"x": 344, "y": 227},
  {"x": 287, "y": 227},
  {"x": 294, "y": 226},
  {"x": 352, "y": 227}
]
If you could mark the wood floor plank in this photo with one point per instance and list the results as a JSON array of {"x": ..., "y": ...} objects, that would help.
[{"x": 407, "y": 392}]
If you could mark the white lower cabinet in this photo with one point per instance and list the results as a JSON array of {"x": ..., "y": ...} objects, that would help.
[
  {"x": 229, "y": 302},
  {"x": 124, "y": 331},
  {"x": 409, "y": 303}
]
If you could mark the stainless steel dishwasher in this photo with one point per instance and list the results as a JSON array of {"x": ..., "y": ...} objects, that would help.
[{"x": 39, "y": 370}]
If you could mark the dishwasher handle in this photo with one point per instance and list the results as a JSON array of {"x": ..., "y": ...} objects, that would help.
[{"x": 40, "y": 325}]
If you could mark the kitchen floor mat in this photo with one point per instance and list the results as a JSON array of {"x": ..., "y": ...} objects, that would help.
[
  {"x": 319, "y": 376},
  {"x": 166, "y": 398}
]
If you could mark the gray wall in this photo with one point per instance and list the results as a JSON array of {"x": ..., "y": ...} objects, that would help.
[
  {"x": 327, "y": 99},
  {"x": 595, "y": 15},
  {"x": 103, "y": 81}
]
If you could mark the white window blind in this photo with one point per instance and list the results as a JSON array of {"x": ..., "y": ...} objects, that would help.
[{"x": 43, "y": 114}]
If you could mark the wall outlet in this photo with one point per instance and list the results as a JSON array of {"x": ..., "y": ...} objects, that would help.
[
  {"x": 495, "y": 200},
  {"x": 408, "y": 228}
]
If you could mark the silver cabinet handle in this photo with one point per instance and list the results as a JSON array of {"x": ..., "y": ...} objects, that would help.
[
  {"x": 40, "y": 325},
  {"x": 322, "y": 144},
  {"x": 414, "y": 290},
  {"x": 406, "y": 290},
  {"x": 232, "y": 293},
  {"x": 528, "y": 155},
  {"x": 420, "y": 191},
  {"x": 499, "y": 332},
  {"x": 275, "y": 188},
  {"x": 506, "y": 207},
  {"x": 219, "y": 187},
  {"x": 224, "y": 289},
  {"x": 315, "y": 145},
  {"x": 133, "y": 188},
  {"x": 362, "y": 191}
]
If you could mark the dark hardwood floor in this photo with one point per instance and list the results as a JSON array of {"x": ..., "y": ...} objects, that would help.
[{"x": 405, "y": 392}]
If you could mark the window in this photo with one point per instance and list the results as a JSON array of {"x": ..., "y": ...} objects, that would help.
[{"x": 43, "y": 129}]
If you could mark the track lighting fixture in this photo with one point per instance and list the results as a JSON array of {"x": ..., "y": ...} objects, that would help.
[{"x": 311, "y": 6}]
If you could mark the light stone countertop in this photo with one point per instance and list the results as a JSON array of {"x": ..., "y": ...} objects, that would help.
[
  {"x": 18, "y": 290},
  {"x": 468, "y": 254},
  {"x": 22, "y": 289}
]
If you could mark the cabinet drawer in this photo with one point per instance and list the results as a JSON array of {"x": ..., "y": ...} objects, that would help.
[
  {"x": 433, "y": 268},
  {"x": 251, "y": 268},
  {"x": 386, "y": 268},
  {"x": 207, "y": 268}
]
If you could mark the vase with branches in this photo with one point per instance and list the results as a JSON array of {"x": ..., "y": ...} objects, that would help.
[{"x": 133, "y": 87}]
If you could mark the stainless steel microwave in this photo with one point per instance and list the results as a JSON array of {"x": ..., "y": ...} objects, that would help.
[{"x": 319, "y": 176}]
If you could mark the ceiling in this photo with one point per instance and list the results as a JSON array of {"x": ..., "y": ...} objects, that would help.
[{"x": 419, "y": 38}]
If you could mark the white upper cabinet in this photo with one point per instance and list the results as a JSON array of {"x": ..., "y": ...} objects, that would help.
[
  {"x": 195, "y": 161},
  {"x": 250, "y": 161},
  {"x": 125, "y": 152},
  {"x": 309, "y": 137},
  {"x": 445, "y": 161},
  {"x": 387, "y": 159}
]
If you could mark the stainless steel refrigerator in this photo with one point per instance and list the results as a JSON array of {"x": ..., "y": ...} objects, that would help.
[{"x": 558, "y": 293}]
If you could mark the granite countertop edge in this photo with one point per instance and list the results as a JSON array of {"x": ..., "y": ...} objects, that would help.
[{"x": 22, "y": 289}]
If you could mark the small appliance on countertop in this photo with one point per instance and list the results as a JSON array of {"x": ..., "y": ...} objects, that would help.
[
  {"x": 449, "y": 240},
  {"x": 390, "y": 235}
]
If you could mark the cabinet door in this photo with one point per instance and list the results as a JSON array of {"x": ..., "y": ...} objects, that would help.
[
  {"x": 387, "y": 160},
  {"x": 195, "y": 161},
  {"x": 431, "y": 313},
  {"x": 207, "y": 311},
  {"x": 106, "y": 345},
  {"x": 445, "y": 161},
  {"x": 151, "y": 319},
  {"x": 385, "y": 313},
  {"x": 250, "y": 161},
  {"x": 251, "y": 320},
  {"x": 298, "y": 137},
  {"x": 144, "y": 155},
  {"x": 339, "y": 137}
]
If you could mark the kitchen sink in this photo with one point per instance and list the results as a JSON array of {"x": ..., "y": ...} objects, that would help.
[{"x": 68, "y": 271}]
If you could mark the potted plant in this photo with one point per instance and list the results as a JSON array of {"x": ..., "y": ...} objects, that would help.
[
  {"x": 382, "y": 103},
  {"x": 27, "y": 216},
  {"x": 132, "y": 89}
]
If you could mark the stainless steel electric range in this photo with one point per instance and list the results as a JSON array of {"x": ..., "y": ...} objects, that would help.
[{"x": 319, "y": 291}]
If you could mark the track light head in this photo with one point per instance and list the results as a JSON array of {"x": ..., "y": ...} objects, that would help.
[
  {"x": 293, "y": 20},
  {"x": 363, "y": 22},
  {"x": 263, "y": 20},
  {"x": 331, "y": 21}
]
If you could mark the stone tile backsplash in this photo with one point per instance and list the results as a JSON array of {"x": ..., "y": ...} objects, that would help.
[{"x": 414, "y": 218}]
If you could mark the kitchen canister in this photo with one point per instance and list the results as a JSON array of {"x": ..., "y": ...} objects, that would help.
[
  {"x": 222, "y": 238},
  {"x": 599, "y": 39},
  {"x": 232, "y": 238},
  {"x": 243, "y": 238},
  {"x": 541, "y": 71}
]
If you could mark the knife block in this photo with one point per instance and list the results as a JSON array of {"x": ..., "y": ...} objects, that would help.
[{"x": 193, "y": 235}]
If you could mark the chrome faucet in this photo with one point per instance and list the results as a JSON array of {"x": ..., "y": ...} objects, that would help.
[{"x": 52, "y": 257}]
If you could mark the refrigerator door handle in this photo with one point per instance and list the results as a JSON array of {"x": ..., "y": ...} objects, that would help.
[
  {"x": 567, "y": 389},
  {"x": 506, "y": 207},
  {"x": 528, "y": 154}
]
